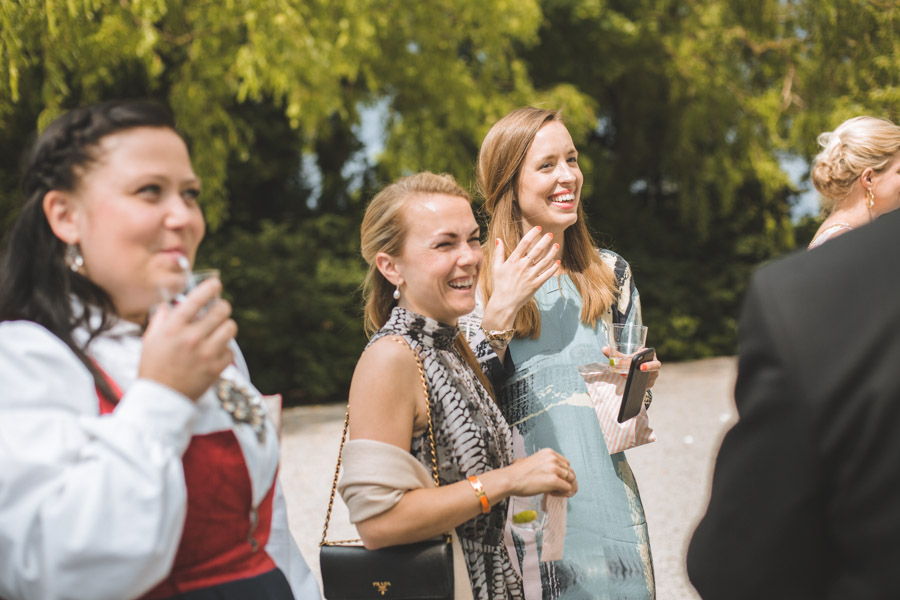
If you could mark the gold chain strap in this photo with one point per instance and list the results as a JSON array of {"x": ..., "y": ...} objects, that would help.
[{"x": 337, "y": 468}]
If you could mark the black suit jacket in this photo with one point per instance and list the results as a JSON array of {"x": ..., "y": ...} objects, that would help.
[{"x": 806, "y": 491}]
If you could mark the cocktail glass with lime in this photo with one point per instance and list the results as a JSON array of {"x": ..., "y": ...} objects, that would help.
[{"x": 528, "y": 512}]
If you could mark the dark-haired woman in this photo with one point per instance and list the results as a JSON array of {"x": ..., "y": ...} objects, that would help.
[{"x": 135, "y": 458}]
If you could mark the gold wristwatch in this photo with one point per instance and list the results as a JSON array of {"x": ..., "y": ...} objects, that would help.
[{"x": 498, "y": 338}]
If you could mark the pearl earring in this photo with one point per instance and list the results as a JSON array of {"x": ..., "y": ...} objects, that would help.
[
  {"x": 397, "y": 292},
  {"x": 73, "y": 258}
]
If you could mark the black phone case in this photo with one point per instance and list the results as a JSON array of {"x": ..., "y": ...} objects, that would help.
[{"x": 635, "y": 385}]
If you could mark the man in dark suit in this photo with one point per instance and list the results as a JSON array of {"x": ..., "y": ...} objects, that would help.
[{"x": 806, "y": 491}]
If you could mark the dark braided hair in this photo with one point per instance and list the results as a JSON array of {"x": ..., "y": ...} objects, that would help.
[{"x": 35, "y": 283}]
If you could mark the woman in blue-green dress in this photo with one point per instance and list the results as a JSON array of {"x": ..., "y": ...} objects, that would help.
[{"x": 538, "y": 244}]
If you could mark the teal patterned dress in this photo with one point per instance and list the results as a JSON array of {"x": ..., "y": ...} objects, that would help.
[{"x": 607, "y": 549}]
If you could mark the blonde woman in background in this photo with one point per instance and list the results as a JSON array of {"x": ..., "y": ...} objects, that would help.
[{"x": 858, "y": 174}]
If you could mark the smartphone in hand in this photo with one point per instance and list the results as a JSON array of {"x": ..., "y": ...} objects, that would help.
[{"x": 635, "y": 385}]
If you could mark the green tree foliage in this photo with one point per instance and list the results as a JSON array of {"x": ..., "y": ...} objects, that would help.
[
  {"x": 683, "y": 178},
  {"x": 682, "y": 111},
  {"x": 203, "y": 57},
  {"x": 847, "y": 63},
  {"x": 294, "y": 292},
  {"x": 268, "y": 93}
]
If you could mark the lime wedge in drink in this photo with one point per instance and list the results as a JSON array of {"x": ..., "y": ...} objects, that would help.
[{"x": 526, "y": 516}]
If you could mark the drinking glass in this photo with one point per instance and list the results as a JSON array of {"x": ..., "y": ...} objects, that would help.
[
  {"x": 189, "y": 281},
  {"x": 197, "y": 277},
  {"x": 528, "y": 512},
  {"x": 624, "y": 341}
]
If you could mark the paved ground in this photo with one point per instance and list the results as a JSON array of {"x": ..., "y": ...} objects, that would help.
[{"x": 692, "y": 409}]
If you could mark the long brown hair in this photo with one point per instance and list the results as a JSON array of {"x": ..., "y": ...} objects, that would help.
[
  {"x": 384, "y": 229},
  {"x": 499, "y": 163}
]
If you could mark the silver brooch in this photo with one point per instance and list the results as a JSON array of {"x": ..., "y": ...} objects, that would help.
[{"x": 243, "y": 405}]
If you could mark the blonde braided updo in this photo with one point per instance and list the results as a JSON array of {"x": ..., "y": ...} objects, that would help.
[{"x": 854, "y": 146}]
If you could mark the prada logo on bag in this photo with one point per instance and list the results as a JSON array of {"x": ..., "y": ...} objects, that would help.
[{"x": 382, "y": 586}]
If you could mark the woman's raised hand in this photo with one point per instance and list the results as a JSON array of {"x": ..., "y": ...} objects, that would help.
[
  {"x": 515, "y": 279},
  {"x": 185, "y": 347},
  {"x": 544, "y": 472}
]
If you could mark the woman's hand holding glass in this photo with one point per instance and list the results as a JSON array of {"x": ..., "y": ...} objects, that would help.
[
  {"x": 545, "y": 471},
  {"x": 623, "y": 342},
  {"x": 186, "y": 346}
]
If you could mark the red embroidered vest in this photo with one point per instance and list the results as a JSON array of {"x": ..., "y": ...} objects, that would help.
[{"x": 224, "y": 537}]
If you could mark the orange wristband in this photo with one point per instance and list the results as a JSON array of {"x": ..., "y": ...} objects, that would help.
[{"x": 479, "y": 491}]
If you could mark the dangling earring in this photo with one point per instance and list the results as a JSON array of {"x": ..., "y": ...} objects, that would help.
[
  {"x": 870, "y": 198},
  {"x": 397, "y": 292},
  {"x": 73, "y": 258}
]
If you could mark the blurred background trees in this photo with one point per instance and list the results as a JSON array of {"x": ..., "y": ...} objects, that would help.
[{"x": 687, "y": 114}]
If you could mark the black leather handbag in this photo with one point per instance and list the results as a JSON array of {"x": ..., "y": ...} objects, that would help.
[
  {"x": 422, "y": 570},
  {"x": 419, "y": 571}
]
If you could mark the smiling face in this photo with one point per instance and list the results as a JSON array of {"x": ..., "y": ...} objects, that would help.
[
  {"x": 134, "y": 214},
  {"x": 441, "y": 258},
  {"x": 549, "y": 181}
]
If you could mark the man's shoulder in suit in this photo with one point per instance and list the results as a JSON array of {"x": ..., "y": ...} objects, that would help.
[{"x": 840, "y": 262}]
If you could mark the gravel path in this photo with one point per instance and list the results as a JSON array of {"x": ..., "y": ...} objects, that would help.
[{"x": 693, "y": 407}]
